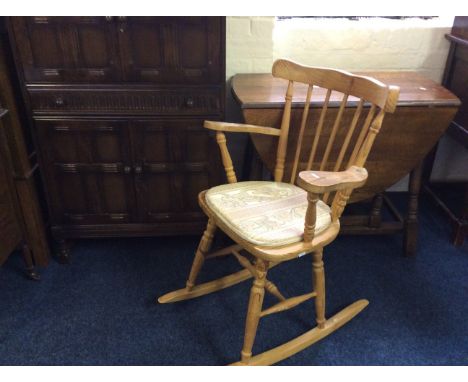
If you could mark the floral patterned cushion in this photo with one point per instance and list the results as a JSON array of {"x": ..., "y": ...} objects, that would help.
[{"x": 265, "y": 213}]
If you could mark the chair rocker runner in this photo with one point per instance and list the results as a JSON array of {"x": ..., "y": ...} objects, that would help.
[{"x": 278, "y": 221}]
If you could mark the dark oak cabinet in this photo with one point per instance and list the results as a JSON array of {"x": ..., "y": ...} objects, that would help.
[{"x": 117, "y": 106}]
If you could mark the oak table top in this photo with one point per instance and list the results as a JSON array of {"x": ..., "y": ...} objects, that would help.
[{"x": 254, "y": 91}]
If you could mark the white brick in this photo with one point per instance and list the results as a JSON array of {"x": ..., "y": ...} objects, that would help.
[
  {"x": 250, "y": 49},
  {"x": 262, "y": 65},
  {"x": 435, "y": 39},
  {"x": 434, "y": 60},
  {"x": 238, "y": 66},
  {"x": 392, "y": 61},
  {"x": 404, "y": 40},
  {"x": 262, "y": 26},
  {"x": 349, "y": 39},
  {"x": 237, "y": 27}
]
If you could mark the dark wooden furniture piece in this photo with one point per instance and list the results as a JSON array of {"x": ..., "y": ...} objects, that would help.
[
  {"x": 13, "y": 232},
  {"x": 456, "y": 79},
  {"x": 424, "y": 112},
  {"x": 21, "y": 221},
  {"x": 117, "y": 106}
]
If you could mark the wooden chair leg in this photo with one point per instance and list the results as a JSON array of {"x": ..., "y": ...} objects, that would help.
[
  {"x": 257, "y": 293},
  {"x": 319, "y": 287},
  {"x": 202, "y": 250}
]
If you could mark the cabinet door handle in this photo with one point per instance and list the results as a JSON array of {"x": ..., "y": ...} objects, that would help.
[
  {"x": 59, "y": 101},
  {"x": 127, "y": 169},
  {"x": 189, "y": 102},
  {"x": 138, "y": 169}
]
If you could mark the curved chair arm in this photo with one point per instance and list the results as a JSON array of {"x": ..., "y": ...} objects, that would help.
[
  {"x": 221, "y": 127},
  {"x": 240, "y": 128},
  {"x": 320, "y": 182}
]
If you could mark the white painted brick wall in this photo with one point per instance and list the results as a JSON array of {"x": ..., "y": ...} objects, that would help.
[{"x": 253, "y": 43}]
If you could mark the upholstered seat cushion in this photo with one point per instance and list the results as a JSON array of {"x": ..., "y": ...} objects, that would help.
[{"x": 265, "y": 213}]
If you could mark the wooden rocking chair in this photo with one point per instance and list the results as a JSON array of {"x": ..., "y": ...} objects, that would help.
[{"x": 279, "y": 221}]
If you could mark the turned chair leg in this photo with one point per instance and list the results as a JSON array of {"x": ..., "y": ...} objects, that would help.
[
  {"x": 203, "y": 248},
  {"x": 319, "y": 287},
  {"x": 257, "y": 292}
]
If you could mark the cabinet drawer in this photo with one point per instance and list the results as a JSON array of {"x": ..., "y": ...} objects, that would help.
[{"x": 190, "y": 101}]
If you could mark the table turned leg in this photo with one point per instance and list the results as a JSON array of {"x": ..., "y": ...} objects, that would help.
[
  {"x": 460, "y": 230},
  {"x": 410, "y": 239},
  {"x": 63, "y": 251},
  {"x": 375, "y": 217}
]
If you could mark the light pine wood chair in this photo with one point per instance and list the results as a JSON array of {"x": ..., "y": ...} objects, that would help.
[{"x": 281, "y": 220}]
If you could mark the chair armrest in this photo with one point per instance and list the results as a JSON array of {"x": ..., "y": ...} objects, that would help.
[
  {"x": 240, "y": 128},
  {"x": 320, "y": 182}
]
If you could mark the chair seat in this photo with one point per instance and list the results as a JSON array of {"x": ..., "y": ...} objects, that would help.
[{"x": 265, "y": 213}]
